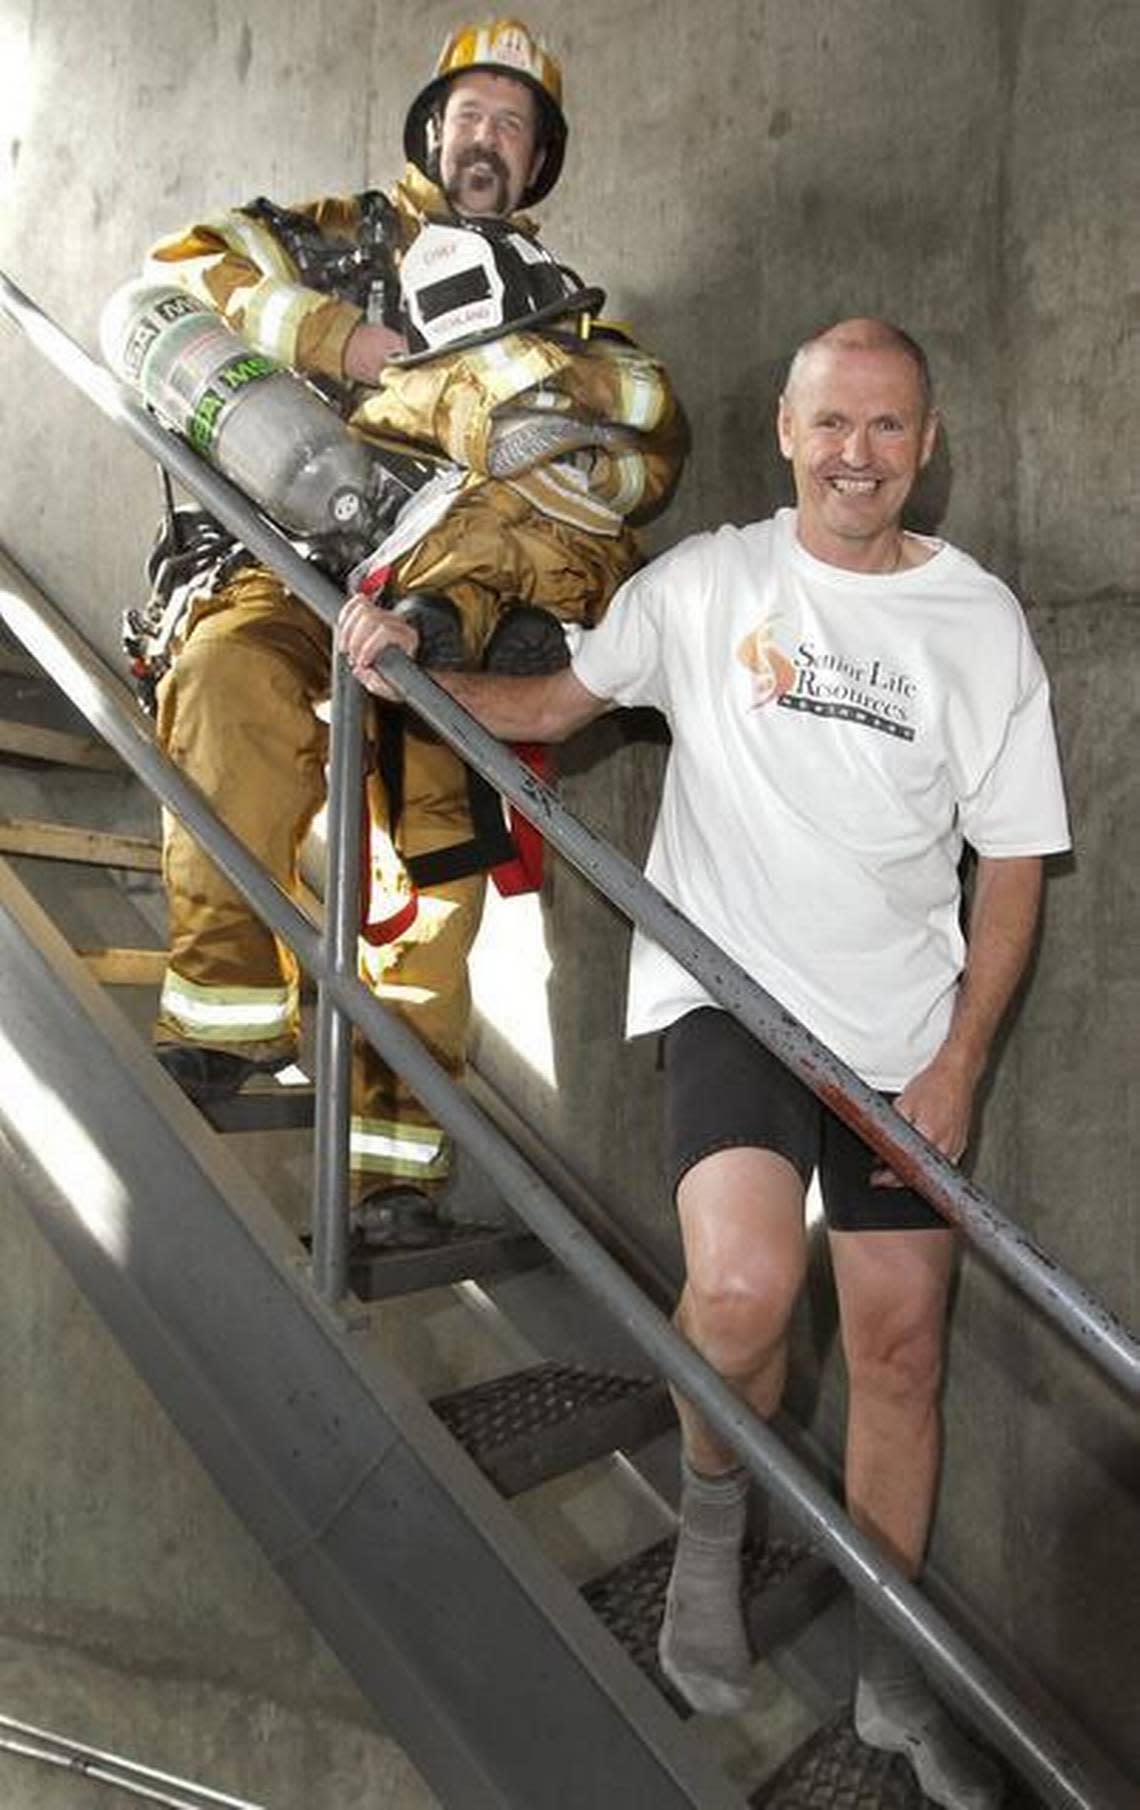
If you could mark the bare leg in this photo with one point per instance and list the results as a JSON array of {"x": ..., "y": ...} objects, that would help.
[
  {"x": 892, "y": 1298},
  {"x": 892, "y": 1290},
  {"x": 741, "y": 1214}
]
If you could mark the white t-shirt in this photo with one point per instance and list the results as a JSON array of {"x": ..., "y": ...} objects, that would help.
[{"x": 836, "y": 736}]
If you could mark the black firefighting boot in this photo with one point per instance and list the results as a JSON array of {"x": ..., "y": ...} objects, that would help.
[
  {"x": 440, "y": 629},
  {"x": 206, "y": 1074},
  {"x": 527, "y": 642},
  {"x": 397, "y": 1217}
]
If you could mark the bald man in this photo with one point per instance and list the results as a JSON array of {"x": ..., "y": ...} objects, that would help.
[{"x": 850, "y": 703}]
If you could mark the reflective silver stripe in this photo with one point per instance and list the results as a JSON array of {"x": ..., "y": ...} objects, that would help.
[
  {"x": 411, "y": 1150},
  {"x": 273, "y": 315},
  {"x": 553, "y": 490},
  {"x": 510, "y": 366},
  {"x": 642, "y": 397},
  {"x": 229, "y": 1011}
]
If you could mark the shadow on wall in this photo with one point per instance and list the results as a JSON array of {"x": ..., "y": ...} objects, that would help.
[
  {"x": 930, "y": 498},
  {"x": 1045, "y": 1570},
  {"x": 1094, "y": 1534}
]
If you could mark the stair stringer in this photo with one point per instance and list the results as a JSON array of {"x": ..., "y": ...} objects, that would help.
[{"x": 486, "y": 1667}]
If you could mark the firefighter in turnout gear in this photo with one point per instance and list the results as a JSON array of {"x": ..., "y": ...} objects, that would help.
[{"x": 449, "y": 339}]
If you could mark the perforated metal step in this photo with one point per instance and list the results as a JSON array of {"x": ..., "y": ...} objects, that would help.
[
  {"x": 534, "y": 1424},
  {"x": 835, "y": 1771},
  {"x": 785, "y": 1584}
]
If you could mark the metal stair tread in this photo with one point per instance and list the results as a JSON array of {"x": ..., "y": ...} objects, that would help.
[
  {"x": 835, "y": 1770},
  {"x": 467, "y": 1250},
  {"x": 538, "y": 1423}
]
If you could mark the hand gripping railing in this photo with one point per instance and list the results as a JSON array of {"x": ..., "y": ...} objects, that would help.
[{"x": 1034, "y": 1748}]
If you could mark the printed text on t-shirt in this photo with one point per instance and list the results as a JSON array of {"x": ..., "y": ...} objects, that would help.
[{"x": 825, "y": 682}]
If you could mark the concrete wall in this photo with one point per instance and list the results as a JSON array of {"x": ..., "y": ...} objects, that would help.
[{"x": 740, "y": 171}]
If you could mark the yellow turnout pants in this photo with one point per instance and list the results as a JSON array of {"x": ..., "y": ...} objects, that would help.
[{"x": 236, "y": 712}]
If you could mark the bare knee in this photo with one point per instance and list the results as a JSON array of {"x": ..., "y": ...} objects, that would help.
[
  {"x": 741, "y": 1212},
  {"x": 737, "y": 1313},
  {"x": 893, "y": 1290},
  {"x": 896, "y": 1364}
]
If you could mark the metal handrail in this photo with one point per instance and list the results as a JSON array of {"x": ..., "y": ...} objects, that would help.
[
  {"x": 916, "y": 1161},
  {"x": 334, "y": 1031},
  {"x": 1033, "y": 1747},
  {"x": 130, "y": 1776}
]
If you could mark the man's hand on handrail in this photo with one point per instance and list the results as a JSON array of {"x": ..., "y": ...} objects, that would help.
[
  {"x": 542, "y": 709},
  {"x": 364, "y": 630}
]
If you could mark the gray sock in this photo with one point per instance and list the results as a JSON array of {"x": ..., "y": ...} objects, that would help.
[
  {"x": 703, "y": 1648},
  {"x": 895, "y": 1709}
]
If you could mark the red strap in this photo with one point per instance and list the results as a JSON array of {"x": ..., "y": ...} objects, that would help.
[
  {"x": 524, "y": 873},
  {"x": 374, "y": 581},
  {"x": 378, "y": 931}
]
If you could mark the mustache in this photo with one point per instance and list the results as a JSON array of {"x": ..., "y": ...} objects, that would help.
[{"x": 476, "y": 154}]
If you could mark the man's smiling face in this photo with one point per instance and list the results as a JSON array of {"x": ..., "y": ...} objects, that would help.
[{"x": 855, "y": 425}]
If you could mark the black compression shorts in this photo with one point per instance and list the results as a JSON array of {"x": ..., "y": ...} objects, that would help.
[{"x": 724, "y": 1091}]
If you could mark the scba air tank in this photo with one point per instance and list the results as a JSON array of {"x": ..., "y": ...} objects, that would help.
[{"x": 256, "y": 421}]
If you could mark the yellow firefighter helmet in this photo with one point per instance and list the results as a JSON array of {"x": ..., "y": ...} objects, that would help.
[{"x": 503, "y": 47}]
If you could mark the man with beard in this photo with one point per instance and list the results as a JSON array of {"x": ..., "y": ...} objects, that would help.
[
  {"x": 849, "y": 703},
  {"x": 440, "y": 324}
]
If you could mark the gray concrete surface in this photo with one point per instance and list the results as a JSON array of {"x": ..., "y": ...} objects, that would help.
[
  {"x": 262, "y": 1749},
  {"x": 739, "y": 171}
]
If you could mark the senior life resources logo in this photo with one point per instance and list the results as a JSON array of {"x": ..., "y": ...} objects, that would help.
[{"x": 864, "y": 688}]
